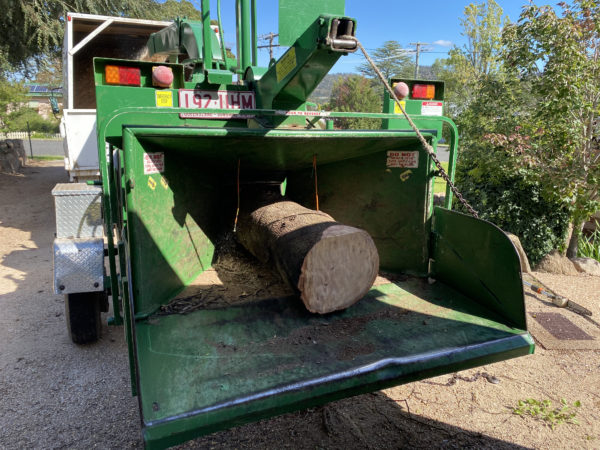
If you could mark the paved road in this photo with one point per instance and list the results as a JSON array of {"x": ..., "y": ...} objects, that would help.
[
  {"x": 44, "y": 147},
  {"x": 443, "y": 153}
]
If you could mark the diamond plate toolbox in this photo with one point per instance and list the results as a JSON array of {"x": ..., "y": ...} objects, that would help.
[
  {"x": 78, "y": 210},
  {"x": 78, "y": 265}
]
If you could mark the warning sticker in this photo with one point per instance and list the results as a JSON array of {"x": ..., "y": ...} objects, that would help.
[
  {"x": 164, "y": 182},
  {"x": 151, "y": 183},
  {"x": 405, "y": 175},
  {"x": 164, "y": 99},
  {"x": 286, "y": 64},
  {"x": 397, "y": 109},
  {"x": 398, "y": 160},
  {"x": 432, "y": 109},
  {"x": 154, "y": 163}
]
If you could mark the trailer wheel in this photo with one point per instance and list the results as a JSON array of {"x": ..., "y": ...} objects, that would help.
[{"x": 83, "y": 316}]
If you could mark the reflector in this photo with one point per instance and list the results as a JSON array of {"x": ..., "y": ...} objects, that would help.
[
  {"x": 129, "y": 76},
  {"x": 423, "y": 91},
  {"x": 124, "y": 76}
]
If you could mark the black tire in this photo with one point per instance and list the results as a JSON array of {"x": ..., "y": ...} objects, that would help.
[{"x": 83, "y": 316}]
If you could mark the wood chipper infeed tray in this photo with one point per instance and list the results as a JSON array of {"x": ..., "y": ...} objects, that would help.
[{"x": 235, "y": 351}]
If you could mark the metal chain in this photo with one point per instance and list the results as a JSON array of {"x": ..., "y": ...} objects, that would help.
[{"x": 421, "y": 138}]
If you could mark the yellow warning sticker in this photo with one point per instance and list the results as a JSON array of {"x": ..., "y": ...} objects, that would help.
[
  {"x": 397, "y": 108},
  {"x": 286, "y": 64},
  {"x": 151, "y": 183},
  {"x": 164, "y": 99},
  {"x": 164, "y": 182}
]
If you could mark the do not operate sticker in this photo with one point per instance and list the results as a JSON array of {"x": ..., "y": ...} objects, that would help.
[{"x": 402, "y": 160}]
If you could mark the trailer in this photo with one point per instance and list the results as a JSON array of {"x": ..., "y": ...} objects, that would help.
[
  {"x": 259, "y": 263},
  {"x": 88, "y": 36}
]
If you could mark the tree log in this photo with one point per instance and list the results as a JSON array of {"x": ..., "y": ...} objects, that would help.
[{"x": 330, "y": 265}]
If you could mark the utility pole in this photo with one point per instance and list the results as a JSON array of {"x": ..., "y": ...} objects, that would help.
[
  {"x": 418, "y": 46},
  {"x": 269, "y": 37}
]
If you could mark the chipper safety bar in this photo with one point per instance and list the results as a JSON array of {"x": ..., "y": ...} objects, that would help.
[{"x": 177, "y": 160}]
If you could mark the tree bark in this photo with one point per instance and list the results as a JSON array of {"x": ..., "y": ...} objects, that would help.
[
  {"x": 574, "y": 240},
  {"x": 330, "y": 265}
]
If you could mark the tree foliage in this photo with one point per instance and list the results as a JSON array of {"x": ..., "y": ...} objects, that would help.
[
  {"x": 19, "y": 120},
  {"x": 11, "y": 93},
  {"x": 171, "y": 9},
  {"x": 559, "y": 56},
  {"x": 391, "y": 59},
  {"x": 355, "y": 94},
  {"x": 528, "y": 128},
  {"x": 468, "y": 66}
]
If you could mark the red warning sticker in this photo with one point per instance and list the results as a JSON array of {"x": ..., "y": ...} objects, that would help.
[
  {"x": 154, "y": 163},
  {"x": 432, "y": 109},
  {"x": 400, "y": 160}
]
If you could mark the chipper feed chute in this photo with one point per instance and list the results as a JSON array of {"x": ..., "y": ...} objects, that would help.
[{"x": 448, "y": 297}]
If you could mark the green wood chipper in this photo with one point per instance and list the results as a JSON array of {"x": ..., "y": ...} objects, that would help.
[{"x": 187, "y": 145}]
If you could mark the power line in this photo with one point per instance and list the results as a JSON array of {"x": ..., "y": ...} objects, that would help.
[
  {"x": 420, "y": 47},
  {"x": 269, "y": 37}
]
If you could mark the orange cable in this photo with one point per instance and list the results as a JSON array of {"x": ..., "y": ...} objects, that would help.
[
  {"x": 237, "y": 212},
  {"x": 316, "y": 184}
]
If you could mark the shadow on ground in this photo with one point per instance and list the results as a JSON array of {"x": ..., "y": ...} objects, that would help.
[{"x": 367, "y": 421}]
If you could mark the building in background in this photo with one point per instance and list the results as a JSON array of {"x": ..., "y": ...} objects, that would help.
[{"x": 39, "y": 98}]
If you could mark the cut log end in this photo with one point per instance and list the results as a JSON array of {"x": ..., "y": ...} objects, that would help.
[
  {"x": 330, "y": 265},
  {"x": 339, "y": 269}
]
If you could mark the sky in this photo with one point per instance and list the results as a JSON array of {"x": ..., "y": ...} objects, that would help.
[{"x": 430, "y": 21}]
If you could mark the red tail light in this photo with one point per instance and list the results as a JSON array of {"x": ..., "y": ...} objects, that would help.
[
  {"x": 123, "y": 76},
  {"x": 423, "y": 91}
]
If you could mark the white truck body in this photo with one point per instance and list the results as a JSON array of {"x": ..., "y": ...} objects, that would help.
[{"x": 88, "y": 36}]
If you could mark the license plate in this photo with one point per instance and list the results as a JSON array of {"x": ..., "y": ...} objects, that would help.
[{"x": 196, "y": 99}]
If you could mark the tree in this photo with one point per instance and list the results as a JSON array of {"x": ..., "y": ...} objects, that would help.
[
  {"x": 392, "y": 61},
  {"x": 49, "y": 72},
  {"x": 355, "y": 94},
  {"x": 479, "y": 58},
  {"x": 11, "y": 93},
  {"x": 560, "y": 58},
  {"x": 171, "y": 9}
]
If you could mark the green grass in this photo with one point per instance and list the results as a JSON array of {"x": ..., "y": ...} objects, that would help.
[
  {"x": 589, "y": 246},
  {"x": 47, "y": 158},
  {"x": 439, "y": 186}
]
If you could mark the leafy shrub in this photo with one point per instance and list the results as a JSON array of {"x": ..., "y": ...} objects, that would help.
[
  {"x": 514, "y": 201},
  {"x": 17, "y": 121}
]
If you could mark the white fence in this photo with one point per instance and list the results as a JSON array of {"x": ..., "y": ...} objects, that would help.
[{"x": 24, "y": 135}]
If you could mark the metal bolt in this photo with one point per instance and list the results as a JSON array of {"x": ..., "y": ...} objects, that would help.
[
  {"x": 96, "y": 284},
  {"x": 61, "y": 288}
]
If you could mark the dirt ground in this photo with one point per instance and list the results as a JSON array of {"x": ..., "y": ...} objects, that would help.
[{"x": 54, "y": 394}]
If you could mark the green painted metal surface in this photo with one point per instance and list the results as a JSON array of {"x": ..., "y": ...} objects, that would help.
[
  {"x": 295, "y": 17},
  {"x": 185, "y": 37},
  {"x": 479, "y": 259},
  {"x": 172, "y": 228},
  {"x": 289, "y": 82},
  {"x": 223, "y": 367}
]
